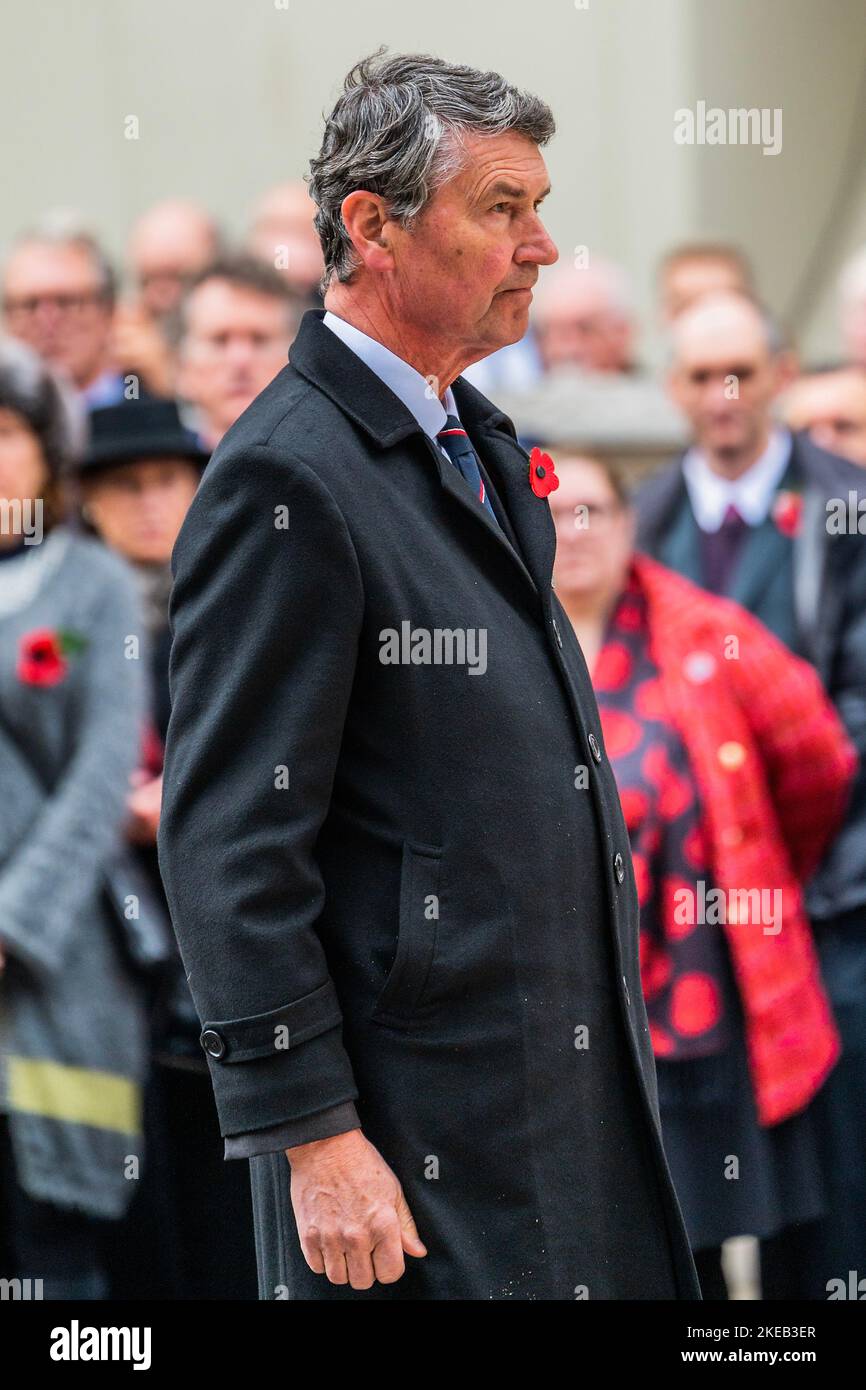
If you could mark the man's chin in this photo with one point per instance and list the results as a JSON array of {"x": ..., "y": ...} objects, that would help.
[
  {"x": 726, "y": 441},
  {"x": 729, "y": 444},
  {"x": 512, "y": 320}
]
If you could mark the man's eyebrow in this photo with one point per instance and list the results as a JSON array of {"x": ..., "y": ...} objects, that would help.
[{"x": 511, "y": 190}]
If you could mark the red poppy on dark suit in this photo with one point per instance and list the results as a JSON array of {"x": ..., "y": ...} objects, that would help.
[
  {"x": 542, "y": 474},
  {"x": 787, "y": 512}
]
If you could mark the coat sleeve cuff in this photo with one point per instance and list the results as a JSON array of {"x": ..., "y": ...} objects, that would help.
[
  {"x": 337, "y": 1119},
  {"x": 281, "y": 1066}
]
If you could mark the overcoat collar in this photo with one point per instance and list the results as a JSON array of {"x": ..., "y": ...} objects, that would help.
[{"x": 329, "y": 365}]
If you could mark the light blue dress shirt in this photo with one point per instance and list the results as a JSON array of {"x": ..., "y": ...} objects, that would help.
[{"x": 414, "y": 390}]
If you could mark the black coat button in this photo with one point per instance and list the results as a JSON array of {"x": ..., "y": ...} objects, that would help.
[
  {"x": 594, "y": 748},
  {"x": 212, "y": 1043},
  {"x": 618, "y": 867}
]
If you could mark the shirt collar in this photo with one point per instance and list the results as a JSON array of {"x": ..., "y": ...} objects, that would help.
[
  {"x": 407, "y": 384},
  {"x": 752, "y": 493},
  {"x": 107, "y": 389}
]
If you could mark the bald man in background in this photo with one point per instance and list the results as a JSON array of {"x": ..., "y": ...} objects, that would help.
[
  {"x": 584, "y": 318},
  {"x": 283, "y": 236},
  {"x": 169, "y": 245},
  {"x": 696, "y": 269}
]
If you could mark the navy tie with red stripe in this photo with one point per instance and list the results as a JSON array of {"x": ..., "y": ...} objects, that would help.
[{"x": 458, "y": 446}]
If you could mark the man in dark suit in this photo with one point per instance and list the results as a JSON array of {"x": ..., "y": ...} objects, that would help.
[
  {"x": 773, "y": 521},
  {"x": 391, "y": 839}
]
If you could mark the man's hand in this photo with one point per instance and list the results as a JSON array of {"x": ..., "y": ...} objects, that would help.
[
  {"x": 143, "y": 806},
  {"x": 138, "y": 346},
  {"x": 353, "y": 1220}
]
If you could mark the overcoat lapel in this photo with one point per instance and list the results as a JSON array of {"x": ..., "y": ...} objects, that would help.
[
  {"x": 456, "y": 486},
  {"x": 321, "y": 357},
  {"x": 492, "y": 434}
]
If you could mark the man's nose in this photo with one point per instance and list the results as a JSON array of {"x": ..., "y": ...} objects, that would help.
[
  {"x": 717, "y": 393},
  {"x": 825, "y": 436},
  {"x": 239, "y": 351},
  {"x": 539, "y": 248},
  {"x": 47, "y": 315}
]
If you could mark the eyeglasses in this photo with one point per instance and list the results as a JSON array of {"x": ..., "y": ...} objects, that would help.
[
  {"x": 587, "y": 516},
  {"x": 69, "y": 305}
]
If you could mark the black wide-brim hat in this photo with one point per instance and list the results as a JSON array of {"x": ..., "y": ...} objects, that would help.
[{"x": 135, "y": 430}]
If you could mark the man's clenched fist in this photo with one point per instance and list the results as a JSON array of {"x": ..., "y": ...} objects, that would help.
[{"x": 353, "y": 1220}]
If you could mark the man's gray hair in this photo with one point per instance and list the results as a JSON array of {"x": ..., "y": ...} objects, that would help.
[{"x": 397, "y": 129}]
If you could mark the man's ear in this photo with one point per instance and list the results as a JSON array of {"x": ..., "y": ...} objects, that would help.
[{"x": 365, "y": 218}]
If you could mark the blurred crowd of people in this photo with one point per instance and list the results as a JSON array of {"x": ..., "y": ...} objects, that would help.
[{"x": 723, "y": 622}]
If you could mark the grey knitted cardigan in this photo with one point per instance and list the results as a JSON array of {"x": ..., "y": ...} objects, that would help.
[{"x": 73, "y": 1031}]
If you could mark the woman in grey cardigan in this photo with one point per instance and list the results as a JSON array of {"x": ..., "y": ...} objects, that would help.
[{"x": 72, "y": 1015}]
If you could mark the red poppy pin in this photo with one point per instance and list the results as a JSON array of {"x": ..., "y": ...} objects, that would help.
[
  {"x": 788, "y": 512},
  {"x": 42, "y": 655},
  {"x": 542, "y": 474}
]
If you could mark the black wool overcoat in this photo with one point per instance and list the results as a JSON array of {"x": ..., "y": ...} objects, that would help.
[{"x": 394, "y": 852}]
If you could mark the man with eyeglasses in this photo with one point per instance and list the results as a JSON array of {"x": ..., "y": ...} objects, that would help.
[{"x": 58, "y": 297}]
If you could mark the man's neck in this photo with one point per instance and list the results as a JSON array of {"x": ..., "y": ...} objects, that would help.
[
  {"x": 734, "y": 465},
  {"x": 438, "y": 362}
]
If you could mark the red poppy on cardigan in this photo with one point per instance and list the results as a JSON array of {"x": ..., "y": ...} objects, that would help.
[
  {"x": 787, "y": 512},
  {"x": 41, "y": 659},
  {"x": 542, "y": 473},
  {"x": 767, "y": 817}
]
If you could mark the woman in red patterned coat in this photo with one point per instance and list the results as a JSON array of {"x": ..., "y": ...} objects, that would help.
[{"x": 733, "y": 771}]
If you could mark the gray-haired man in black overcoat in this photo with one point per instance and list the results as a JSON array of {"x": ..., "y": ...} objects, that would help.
[{"x": 391, "y": 838}]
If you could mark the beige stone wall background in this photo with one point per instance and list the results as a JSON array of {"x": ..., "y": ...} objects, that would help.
[{"x": 229, "y": 95}]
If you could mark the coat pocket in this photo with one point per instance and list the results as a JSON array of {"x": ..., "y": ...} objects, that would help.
[{"x": 403, "y": 992}]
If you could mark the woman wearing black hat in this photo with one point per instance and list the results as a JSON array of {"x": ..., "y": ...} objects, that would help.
[
  {"x": 137, "y": 479},
  {"x": 192, "y": 1221},
  {"x": 72, "y": 1005}
]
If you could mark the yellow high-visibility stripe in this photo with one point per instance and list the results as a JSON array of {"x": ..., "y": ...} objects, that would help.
[{"x": 78, "y": 1094}]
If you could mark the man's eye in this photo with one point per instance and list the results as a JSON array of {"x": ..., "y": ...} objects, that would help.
[{"x": 500, "y": 207}]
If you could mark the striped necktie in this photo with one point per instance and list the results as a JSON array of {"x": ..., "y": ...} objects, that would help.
[{"x": 458, "y": 446}]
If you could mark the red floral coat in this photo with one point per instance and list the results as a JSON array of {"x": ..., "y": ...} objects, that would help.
[{"x": 773, "y": 767}]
